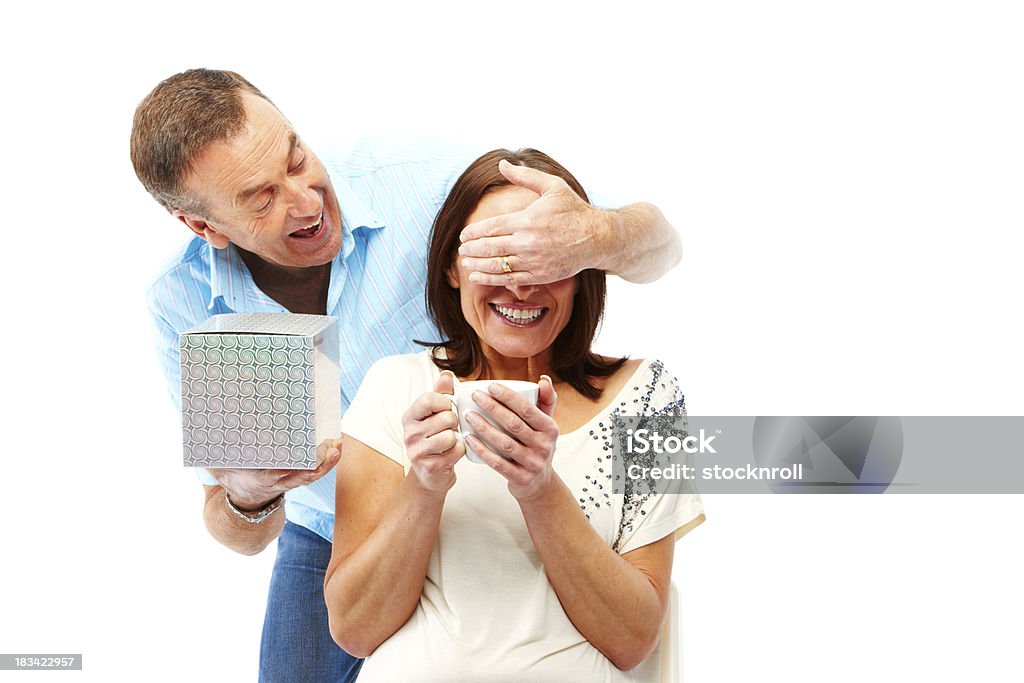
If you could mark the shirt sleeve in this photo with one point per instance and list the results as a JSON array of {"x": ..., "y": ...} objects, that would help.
[
  {"x": 167, "y": 349},
  {"x": 162, "y": 309},
  {"x": 675, "y": 506}
]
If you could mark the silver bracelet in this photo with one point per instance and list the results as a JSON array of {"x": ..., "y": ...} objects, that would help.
[{"x": 256, "y": 517}]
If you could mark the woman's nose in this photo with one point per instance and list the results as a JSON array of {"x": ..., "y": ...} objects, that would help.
[{"x": 522, "y": 292}]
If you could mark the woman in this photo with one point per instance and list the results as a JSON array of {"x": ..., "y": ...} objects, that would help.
[{"x": 527, "y": 568}]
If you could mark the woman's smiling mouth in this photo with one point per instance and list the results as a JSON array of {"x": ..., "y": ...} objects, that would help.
[{"x": 518, "y": 316}]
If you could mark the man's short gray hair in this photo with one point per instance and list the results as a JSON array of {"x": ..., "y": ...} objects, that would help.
[{"x": 176, "y": 122}]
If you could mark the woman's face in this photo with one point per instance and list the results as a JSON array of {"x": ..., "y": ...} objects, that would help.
[{"x": 512, "y": 321}]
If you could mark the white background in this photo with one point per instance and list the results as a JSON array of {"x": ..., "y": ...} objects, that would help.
[{"x": 847, "y": 180}]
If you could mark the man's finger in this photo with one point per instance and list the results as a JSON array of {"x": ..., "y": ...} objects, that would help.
[
  {"x": 328, "y": 451},
  {"x": 505, "y": 224},
  {"x": 493, "y": 265},
  {"x": 295, "y": 478},
  {"x": 329, "y": 463},
  {"x": 322, "y": 450},
  {"x": 530, "y": 178},
  {"x": 484, "y": 247},
  {"x": 517, "y": 278}
]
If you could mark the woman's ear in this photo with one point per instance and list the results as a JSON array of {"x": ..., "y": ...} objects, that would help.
[{"x": 453, "y": 276}]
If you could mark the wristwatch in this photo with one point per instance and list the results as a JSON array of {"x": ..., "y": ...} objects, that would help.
[{"x": 256, "y": 516}]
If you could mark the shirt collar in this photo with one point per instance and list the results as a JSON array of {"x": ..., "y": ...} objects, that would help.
[
  {"x": 355, "y": 214},
  {"x": 230, "y": 278}
]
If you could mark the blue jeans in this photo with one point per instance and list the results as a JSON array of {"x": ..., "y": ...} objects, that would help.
[{"x": 297, "y": 644}]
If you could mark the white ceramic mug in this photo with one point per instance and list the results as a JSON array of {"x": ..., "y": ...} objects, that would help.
[{"x": 462, "y": 403}]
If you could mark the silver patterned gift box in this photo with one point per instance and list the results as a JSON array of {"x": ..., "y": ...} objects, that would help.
[{"x": 259, "y": 390}]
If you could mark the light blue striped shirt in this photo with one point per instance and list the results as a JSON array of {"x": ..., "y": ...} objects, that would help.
[{"x": 389, "y": 194}]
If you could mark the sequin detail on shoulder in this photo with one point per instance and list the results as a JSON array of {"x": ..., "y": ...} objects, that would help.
[{"x": 658, "y": 404}]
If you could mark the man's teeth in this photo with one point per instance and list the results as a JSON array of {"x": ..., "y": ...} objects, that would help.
[
  {"x": 523, "y": 315},
  {"x": 311, "y": 229}
]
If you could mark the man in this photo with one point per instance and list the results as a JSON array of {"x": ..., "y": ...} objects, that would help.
[{"x": 275, "y": 229}]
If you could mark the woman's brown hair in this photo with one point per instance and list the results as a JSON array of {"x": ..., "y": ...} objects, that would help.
[{"x": 571, "y": 358}]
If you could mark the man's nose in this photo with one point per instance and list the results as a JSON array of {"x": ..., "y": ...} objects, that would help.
[
  {"x": 305, "y": 201},
  {"x": 522, "y": 292}
]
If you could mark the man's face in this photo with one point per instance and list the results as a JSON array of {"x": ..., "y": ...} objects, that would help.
[{"x": 264, "y": 190}]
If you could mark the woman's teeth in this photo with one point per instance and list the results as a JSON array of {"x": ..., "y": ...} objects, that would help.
[{"x": 520, "y": 315}]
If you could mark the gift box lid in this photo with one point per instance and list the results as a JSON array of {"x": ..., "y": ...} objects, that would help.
[{"x": 285, "y": 324}]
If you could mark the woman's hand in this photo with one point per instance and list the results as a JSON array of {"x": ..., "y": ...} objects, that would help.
[
  {"x": 525, "y": 456},
  {"x": 430, "y": 439}
]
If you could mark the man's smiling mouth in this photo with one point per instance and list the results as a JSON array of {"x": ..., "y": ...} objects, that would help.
[{"x": 310, "y": 231}]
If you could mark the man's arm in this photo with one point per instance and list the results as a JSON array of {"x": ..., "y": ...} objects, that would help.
[
  {"x": 639, "y": 244},
  {"x": 234, "y": 532},
  {"x": 251, "y": 491},
  {"x": 560, "y": 234}
]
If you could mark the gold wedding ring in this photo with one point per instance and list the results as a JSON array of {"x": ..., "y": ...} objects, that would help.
[{"x": 505, "y": 267}]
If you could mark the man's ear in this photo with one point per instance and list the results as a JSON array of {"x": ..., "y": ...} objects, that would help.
[
  {"x": 453, "y": 277},
  {"x": 201, "y": 228}
]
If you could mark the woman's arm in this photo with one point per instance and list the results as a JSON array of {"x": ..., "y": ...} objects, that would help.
[
  {"x": 616, "y": 602},
  {"x": 384, "y": 531},
  {"x": 386, "y": 524}
]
